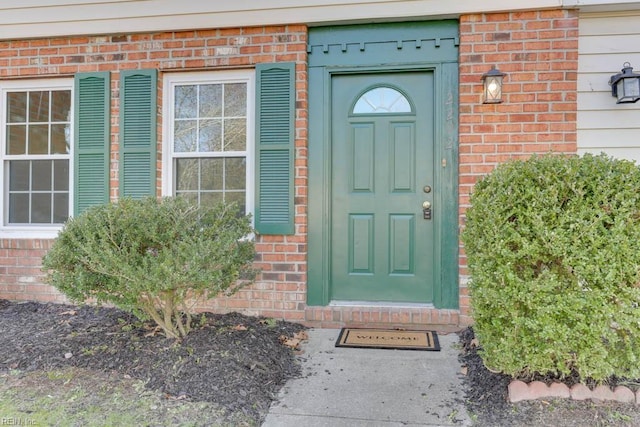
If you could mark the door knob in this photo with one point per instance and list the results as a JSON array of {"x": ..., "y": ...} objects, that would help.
[{"x": 426, "y": 204}]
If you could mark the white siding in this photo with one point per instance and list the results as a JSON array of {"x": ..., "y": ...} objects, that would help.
[
  {"x": 602, "y": 5},
  {"x": 44, "y": 18},
  {"x": 40, "y": 18},
  {"x": 606, "y": 43}
]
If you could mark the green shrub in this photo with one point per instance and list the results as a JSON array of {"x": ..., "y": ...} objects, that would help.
[
  {"x": 553, "y": 247},
  {"x": 153, "y": 257}
]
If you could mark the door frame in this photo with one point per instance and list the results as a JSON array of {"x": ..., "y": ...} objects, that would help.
[{"x": 446, "y": 240}]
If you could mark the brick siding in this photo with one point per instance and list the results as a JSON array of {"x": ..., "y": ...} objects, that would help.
[
  {"x": 538, "y": 51},
  {"x": 21, "y": 275},
  {"x": 281, "y": 290}
]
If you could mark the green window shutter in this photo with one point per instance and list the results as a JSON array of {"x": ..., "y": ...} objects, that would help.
[
  {"x": 92, "y": 140},
  {"x": 138, "y": 117},
  {"x": 275, "y": 121}
]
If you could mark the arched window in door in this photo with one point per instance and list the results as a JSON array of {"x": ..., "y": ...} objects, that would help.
[{"x": 382, "y": 100}]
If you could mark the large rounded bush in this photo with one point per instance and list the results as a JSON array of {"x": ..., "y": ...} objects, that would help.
[
  {"x": 553, "y": 249},
  {"x": 153, "y": 257}
]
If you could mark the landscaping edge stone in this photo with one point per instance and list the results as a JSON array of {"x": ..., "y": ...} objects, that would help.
[{"x": 519, "y": 390}]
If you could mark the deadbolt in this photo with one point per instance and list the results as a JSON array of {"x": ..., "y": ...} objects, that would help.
[
  {"x": 427, "y": 189},
  {"x": 426, "y": 204}
]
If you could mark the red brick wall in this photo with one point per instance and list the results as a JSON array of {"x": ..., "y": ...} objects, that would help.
[
  {"x": 281, "y": 290},
  {"x": 538, "y": 51},
  {"x": 20, "y": 273}
]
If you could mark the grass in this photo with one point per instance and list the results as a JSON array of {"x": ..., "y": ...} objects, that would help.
[{"x": 75, "y": 397}]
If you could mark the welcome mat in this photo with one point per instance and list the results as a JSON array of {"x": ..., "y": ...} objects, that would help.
[{"x": 388, "y": 339}]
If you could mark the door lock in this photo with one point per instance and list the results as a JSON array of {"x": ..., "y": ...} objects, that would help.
[{"x": 426, "y": 209}]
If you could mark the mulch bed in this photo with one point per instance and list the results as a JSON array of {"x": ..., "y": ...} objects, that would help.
[
  {"x": 487, "y": 399},
  {"x": 484, "y": 389},
  {"x": 238, "y": 362}
]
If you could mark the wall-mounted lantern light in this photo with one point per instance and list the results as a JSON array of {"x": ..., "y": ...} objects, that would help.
[
  {"x": 625, "y": 85},
  {"x": 492, "y": 80}
]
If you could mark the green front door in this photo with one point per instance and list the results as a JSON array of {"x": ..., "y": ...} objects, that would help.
[{"x": 382, "y": 178}]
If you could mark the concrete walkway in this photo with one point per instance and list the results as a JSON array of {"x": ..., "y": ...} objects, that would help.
[{"x": 367, "y": 387}]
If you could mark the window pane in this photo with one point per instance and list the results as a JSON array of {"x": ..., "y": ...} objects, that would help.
[
  {"x": 38, "y": 139},
  {"x": 187, "y": 174},
  {"x": 41, "y": 175},
  {"x": 17, "y": 107},
  {"x": 235, "y": 173},
  {"x": 60, "y": 105},
  {"x": 16, "y": 139},
  {"x": 382, "y": 100},
  {"x": 235, "y": 134},
  {"x": 212, "y": 174},
  {"x": 237, "y": 197},
  {"x": 218, "y": 125},
  {"x": 186, "y": 102},
  {"x": 210, "y": 101},
  {"x": 60, "y": 207},
  {"x": 41, "y": 208},
  {"x": 60, "y": 139},
  {"x": 211, "y": 198},
  {"x": 192, "y": 197},
  {"x": 210, "y": 135},
  {"x": 38, "y": 123},
  {"x": 19, "y": 208},
  {"x": 61, "y": 175},
  {"x": 39, "y": 106},
  {"x": 185, "y": 134},
  {"x": 235, "y": 100},
  {"x": 19, "y": 175}
]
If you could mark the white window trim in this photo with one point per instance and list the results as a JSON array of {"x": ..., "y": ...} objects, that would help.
[
  {"x": 31, "y": 231},
  {"x": 170, "y": 81}
]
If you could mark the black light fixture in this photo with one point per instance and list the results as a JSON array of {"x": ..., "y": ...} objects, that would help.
[
  {"x": 625, "y": 85},
  {"x": 492, "y": 80}
]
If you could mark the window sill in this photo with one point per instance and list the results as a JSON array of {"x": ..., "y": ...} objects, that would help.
[{"x": 29, "y": 232}]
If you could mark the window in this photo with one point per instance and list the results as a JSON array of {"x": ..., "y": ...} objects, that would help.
[
  {"x": 382, "y": 100},
  {"x": 36, "y": 139},
  {"x": 208, "y": 149}
]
